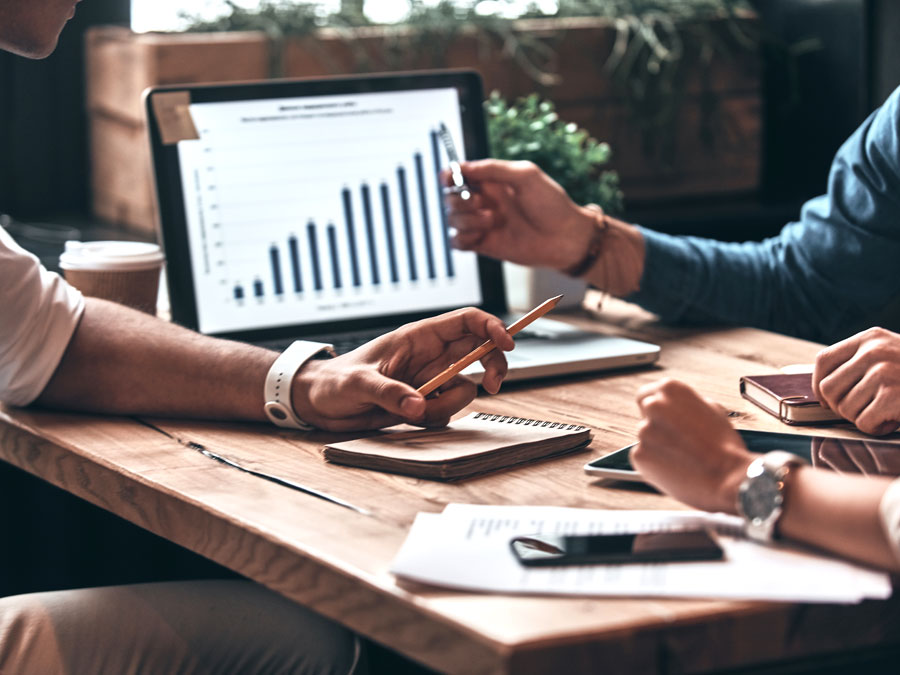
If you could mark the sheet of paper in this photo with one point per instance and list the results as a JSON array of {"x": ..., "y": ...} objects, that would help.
[{"x": 467, "y": 548}]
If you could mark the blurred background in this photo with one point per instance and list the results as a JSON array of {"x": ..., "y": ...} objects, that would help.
[
  {"x": 726, "y": 138},
  {"x": 711, "y": 117}
]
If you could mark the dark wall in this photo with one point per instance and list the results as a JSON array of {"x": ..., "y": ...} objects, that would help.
[
  {"x": 43, "y": 139},
  {"x": 813, "y": 104},
  {"x": 816, "y": 100},
  {"x": 885, "y": 49}
]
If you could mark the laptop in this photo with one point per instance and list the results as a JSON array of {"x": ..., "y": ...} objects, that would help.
[{"x": 312, "y": 209}]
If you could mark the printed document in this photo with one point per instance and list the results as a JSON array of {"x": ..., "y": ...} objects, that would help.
[{"x": 467, "y": 548}]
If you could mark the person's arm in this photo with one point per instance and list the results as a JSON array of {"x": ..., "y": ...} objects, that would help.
[
  {"x": 859, "y": 378},
  {"x": 820, "y": 278},
  {"x": 838, "y": 513},
  {"x": 687, "y": 448},
  {"x": 122, "y": 361},
  {"x": 518, "y": 213}
]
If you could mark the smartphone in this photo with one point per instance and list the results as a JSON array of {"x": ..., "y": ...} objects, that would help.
[
  {"x": 548, "y": 550},
  {"x": 845, "y": 455}
]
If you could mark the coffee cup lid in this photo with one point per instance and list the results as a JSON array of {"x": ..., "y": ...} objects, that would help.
[{"x": 110, "y": 255}]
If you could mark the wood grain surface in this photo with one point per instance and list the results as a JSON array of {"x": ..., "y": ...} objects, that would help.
[{"x": 335, "y": 560}]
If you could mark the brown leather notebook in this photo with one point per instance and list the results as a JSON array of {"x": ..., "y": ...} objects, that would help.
[
  {"x": 789, "y": 397},
  {"x": 475, "y": 444}
]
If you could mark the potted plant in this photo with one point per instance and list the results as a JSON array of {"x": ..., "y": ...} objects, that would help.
[{"x": 530, "y": 129}]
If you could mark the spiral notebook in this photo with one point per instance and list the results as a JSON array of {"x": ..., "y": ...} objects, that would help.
[{"x": 475, "y": 444}]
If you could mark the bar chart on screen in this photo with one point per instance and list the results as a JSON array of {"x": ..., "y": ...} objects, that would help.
[{"x": 326, "y": 206}]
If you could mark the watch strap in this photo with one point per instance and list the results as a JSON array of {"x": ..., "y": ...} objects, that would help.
[
  {"x": 277, "y": 392},
  {"x": 777, "y": 464}
]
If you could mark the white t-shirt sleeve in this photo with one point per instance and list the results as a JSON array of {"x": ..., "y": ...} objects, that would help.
[
  {"x": 38, "y": 315},
  {"x": 890, "y": 516}
]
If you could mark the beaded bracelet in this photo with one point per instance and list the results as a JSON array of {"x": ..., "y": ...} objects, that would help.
[{"x": 595, "y": 245}]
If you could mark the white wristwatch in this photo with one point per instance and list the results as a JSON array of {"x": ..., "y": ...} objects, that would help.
[
  {"x": 761, "y": 494},
  {"x": 277, "y": 391}
]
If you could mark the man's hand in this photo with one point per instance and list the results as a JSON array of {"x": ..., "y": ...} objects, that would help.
[
  {"x": 859, "y": 378},
  {"x": 518, "y": 213},
  {"x": 688, "y": 449},
  {"x": 374, "y": 386}
]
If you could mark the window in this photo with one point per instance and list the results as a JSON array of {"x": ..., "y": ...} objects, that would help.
[{"x": 166, "y": 15}]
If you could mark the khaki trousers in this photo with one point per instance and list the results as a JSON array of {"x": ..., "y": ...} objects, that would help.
[{"x": 173, "y": 627}]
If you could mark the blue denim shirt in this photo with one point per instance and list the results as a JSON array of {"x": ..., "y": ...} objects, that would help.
[{"x": 827, "y": 276}]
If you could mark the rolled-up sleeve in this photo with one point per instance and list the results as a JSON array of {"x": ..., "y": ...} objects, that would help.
[
  {"x": 39, "y": 312},
  {"x": 827, "y": 276},
  {"x": 890, "y": 516}
]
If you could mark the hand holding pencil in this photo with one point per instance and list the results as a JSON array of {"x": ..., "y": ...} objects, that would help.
[
  {"x": 479, "y": 352},
  {"x": 374, "y": 385}
]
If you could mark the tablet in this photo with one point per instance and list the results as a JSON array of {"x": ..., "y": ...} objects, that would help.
[{"x": 845, "y": 455}]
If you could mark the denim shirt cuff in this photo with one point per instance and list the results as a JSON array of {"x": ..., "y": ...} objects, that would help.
[{"x": 670, "y": 277}]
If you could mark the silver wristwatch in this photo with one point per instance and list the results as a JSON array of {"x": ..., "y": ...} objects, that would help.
[{"x": 761, "y": 494}]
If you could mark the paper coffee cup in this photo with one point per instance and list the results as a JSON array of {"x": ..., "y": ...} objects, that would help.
[{"x": 126, "y": 272}]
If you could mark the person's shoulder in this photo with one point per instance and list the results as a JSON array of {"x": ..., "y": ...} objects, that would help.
[
  {"x": 892, "y": 103},
  {"x": 885, "y": 123}
]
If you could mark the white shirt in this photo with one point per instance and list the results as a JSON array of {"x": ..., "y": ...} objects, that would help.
[
  {"x": 38, "y": 315},
  {"x": 890, "y": 516}
]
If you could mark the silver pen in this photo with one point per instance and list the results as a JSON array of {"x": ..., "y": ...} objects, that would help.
[{"x": 459, "y": 186}]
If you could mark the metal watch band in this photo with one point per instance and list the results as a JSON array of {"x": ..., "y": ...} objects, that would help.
[
  {"x": 773, "y": 467},
  {"x": 277, "y": 391}
]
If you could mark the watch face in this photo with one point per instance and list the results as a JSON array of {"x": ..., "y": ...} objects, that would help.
[{"x": 760, "y": 497}]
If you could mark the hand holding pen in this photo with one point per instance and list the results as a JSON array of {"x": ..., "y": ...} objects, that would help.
[{"x": 457, "y": 185}]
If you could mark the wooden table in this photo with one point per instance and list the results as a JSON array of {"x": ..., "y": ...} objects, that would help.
[{"x": 335, "y": 560}]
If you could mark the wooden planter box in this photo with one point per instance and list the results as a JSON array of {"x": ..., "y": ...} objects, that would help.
[{"x": 715, "y": 148}]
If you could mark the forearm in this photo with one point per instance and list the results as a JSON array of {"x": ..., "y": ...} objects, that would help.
[
  {"x": 762, "y": 284},
  {"x": 125, "y": 362},
  {"x": 620, "y": 266},
  {"x": 838, "y": 513}
]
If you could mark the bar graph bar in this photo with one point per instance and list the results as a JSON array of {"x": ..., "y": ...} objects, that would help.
[
  {"x": 307, "y": 255},
  {"x": 314, "y": 255},
  {"x": 275, "y": 260},
  {"x": 445, "y": 227},
  {"x": 335, "y": 258},
  {"x": 389, "y": 232},
  {"x": 370, "y": 234},
  {"x": 353, "y": 233},
  {"x": 311, "y": 258},
  {"x": 426, "y": 224},
  {"x": 294, "y": 248},
  {"x": 407, "y": 223},
  {"x": 351, "y": 236}
]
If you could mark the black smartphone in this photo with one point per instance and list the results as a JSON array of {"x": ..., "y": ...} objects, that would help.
[{"x": 547, "y": 550}]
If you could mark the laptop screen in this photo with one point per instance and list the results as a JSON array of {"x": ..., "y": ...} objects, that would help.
[{"x": 298, "y": 206}]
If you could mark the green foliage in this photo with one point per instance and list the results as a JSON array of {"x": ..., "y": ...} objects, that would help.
[
  {"x": 281, "y": 17},
  {"x": 531, "y": 130},
  {"x": 658, "y": 43}
]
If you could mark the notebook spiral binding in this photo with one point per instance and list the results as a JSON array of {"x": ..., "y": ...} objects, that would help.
[{"x": 509, "y": 419}]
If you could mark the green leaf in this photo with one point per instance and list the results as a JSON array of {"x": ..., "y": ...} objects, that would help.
[{"x": 530, "y": 129}]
